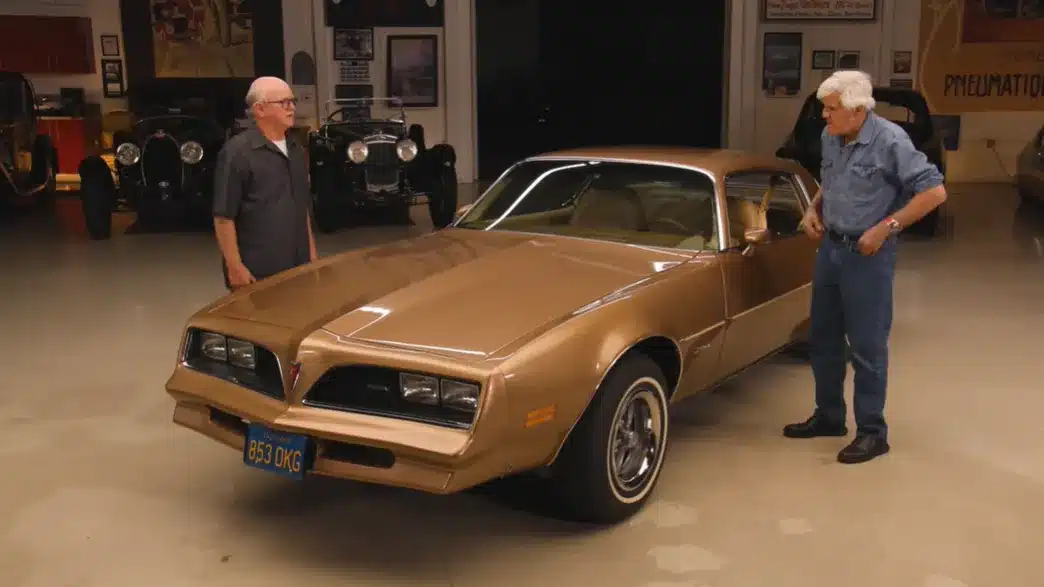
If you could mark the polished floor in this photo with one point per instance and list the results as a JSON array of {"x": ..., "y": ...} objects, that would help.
[{"x": 99, "y": 489}]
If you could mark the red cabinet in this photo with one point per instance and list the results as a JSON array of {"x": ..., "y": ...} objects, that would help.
[
  {"x": 46, "y": 44},
  {"x": 69, "y": 137}
]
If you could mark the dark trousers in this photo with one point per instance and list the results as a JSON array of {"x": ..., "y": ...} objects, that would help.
[{"x": 852, "y": 297}]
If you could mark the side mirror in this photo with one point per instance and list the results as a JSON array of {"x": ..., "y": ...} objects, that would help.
[
  {"x": 461, "y": 211},
  {"x": 753, "y": 237}
]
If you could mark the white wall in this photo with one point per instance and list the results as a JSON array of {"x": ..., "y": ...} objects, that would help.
[
  {"x": 758, "y": 122},
  {"x": 105, "y": 20},
  {"x": 452, "y": 121},
  {"x": 761, "y": 123}
]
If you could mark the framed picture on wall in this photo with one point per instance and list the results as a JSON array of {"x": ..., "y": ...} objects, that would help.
[
  {"x": 823, "y": 59},
  {"x": 413, "y": 70},
  {"x": 902, "y": 62},
  {"x": 781, "y": 64},
  {"x": 901, "y": 82},
  {"x": 110, "y": 46},
  {"x": 113, "y": 85},
  {"x": 353, "y": 44},
  {"x": 848, "y": 60}
]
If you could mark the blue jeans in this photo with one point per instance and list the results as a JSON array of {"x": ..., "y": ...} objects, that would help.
[{"x": 852, "y": 297}]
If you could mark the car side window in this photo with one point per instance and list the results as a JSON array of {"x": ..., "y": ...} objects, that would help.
[{"x": 762, "y": 200}]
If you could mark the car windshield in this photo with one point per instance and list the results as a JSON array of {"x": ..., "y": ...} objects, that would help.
[
  {"x": 633, "y": 203},
  {"x": 177, "y": 125}
]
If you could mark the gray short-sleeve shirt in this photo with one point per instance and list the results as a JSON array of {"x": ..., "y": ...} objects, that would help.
[{"x": 266, "y": 193}]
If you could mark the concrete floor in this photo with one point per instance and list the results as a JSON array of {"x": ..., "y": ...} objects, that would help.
[{"x": 99, "y": 489}]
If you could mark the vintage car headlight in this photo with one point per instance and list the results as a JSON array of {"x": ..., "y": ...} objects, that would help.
[
  {"x": 218, "y": 347},
  {"x": 432, "y": 391},
  {"x": 191, "y": 152},
  {"x": 406, "y": 149},
  {"x": 128, "y": 154},
  {"x": 358, "y": 151}
]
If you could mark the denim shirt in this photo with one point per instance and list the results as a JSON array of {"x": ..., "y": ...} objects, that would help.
[{"x": 872, "y": 176}]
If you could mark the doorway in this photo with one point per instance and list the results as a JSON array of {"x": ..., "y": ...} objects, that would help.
[{"x": 553, "y": 75}]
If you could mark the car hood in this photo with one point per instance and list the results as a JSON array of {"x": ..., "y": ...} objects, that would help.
[{"x": 456, "y": 292}]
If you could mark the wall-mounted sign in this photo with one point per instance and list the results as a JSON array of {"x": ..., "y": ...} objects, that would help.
[
  {"x": 840, "y": 10},
  {"x": 978, "y": 56},
  {"x": 781, "y": 64}
]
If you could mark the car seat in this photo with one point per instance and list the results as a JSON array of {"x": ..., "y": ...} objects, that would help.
[{"x": 616, "y": 209}]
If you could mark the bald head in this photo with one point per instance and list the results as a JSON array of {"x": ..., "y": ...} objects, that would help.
[{"x": 271, "y": 103}]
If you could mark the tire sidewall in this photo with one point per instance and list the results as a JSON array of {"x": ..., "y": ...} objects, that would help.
[{"x": 660, "y": 395}]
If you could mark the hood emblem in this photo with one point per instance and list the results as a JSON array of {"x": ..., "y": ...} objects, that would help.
[{"x": 294, "y": 373}]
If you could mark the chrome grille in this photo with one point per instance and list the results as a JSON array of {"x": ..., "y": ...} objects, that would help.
[
  {"x": 160, "y": 160},
  {"x": 382, "y": 164}
]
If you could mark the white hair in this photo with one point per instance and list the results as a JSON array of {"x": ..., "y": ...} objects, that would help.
[
  {"x": 855, "y": 88},
  {"x": 260, "y": 89}
]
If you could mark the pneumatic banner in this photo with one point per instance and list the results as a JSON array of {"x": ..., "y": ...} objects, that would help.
[{"x": 982, "y": 55}]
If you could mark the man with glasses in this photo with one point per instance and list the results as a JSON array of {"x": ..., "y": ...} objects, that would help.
[{"x": 262, "y": 206}]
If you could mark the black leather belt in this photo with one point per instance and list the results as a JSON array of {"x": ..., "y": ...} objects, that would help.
[{"x": 838, "y": 237}]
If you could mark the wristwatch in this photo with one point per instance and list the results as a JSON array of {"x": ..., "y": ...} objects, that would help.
[{"x": 893, "y": 225}]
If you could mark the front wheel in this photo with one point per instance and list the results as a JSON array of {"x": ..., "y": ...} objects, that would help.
[
  {"x": 613, "y": 457},
  {"x": 97, "y": 196}
]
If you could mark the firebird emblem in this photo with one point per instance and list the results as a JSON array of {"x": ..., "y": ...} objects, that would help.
[{"x": 159, "y": 134}]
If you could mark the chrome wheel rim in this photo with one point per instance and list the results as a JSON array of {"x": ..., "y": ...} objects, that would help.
[{"x": 636, "y": 439}]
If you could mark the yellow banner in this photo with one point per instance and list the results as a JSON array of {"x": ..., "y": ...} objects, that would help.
[{"x": 982, "y": 55}]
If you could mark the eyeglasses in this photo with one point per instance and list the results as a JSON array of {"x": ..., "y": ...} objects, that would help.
[{"x": 286, "y": 103}]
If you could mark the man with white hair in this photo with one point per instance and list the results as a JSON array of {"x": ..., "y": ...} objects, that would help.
[
  {"x": 869, "y": 163},
  {"x": 262, "y": 205}
]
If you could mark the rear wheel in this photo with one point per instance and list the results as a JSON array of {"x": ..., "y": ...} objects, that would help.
[
  {"x": 612, "y": 459},
  {"x": 97, "y": 196}
]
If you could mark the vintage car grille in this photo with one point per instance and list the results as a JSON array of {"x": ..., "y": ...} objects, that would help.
[
  {"x": 382, "y": 165},
  {"x": 375, "y": 390},
  {"x": 266, "y": 378},
  {"x": 161, "y": 160}
]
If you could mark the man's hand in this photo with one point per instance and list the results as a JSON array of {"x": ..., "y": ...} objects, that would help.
[
  {"x": 811, "y": 224},
  {"x": 239, "y": 275},
  {"x": 872, "y": 239}
]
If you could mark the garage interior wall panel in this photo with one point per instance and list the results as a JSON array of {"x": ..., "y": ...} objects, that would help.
[
  {"x": 758, "y": 122},
  {"x": 105, "y": 20}
]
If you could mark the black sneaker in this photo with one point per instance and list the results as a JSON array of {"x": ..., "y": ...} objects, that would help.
[
  {"x": 814, "y": 427},
  {"x": 864, "y": 448}
]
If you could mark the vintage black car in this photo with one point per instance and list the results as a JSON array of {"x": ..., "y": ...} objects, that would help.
[
  {"x": 903, "y": 106},
  {"x": 28, "y": 159},
  {"x": 359, "y": 161},
  {"x": 1029, "y": 171},
  {"x": 164, "y": 164}
]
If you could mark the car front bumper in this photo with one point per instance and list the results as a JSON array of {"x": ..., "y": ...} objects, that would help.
[{"x": 346, "y": 445}]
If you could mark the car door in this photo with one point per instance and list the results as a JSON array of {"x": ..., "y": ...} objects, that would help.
[{"x": 768, "y": 285}]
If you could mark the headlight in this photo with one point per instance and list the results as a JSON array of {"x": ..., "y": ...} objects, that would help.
[
  {"x": 191, "y": 152},
  {"x": 128, "y": 154},
  {"x": 224, "y": 349},
  {"x": 432, "y": 391},
  {"x": 358, "y": 151},
  {"x": 420, "y": 389},
  {"x": 459, "y": 395},
  {"x": 406, "y": 149}
]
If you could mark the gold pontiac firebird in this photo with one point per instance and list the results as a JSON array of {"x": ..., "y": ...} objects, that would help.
[{"x": 547, "y": 330}]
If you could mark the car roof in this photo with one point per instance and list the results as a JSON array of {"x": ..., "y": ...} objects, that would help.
[{"x": 716, "y": 161}]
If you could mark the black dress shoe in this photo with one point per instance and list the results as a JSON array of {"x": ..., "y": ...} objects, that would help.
[
  {"x": 864, "y": 448},
  {"x": 813, "y": 427}
]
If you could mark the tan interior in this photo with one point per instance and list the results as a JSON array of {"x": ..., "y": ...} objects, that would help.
[{"x": 610, "y": 209}]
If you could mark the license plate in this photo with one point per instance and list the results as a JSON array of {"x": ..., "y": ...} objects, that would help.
[{"x": 276, "y": 452}]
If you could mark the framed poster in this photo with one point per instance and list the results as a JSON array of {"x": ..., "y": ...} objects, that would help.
[
  {"x": 902, "y": 62},
  {"x": 901, "y": 82},
  {"x": 781, "y": 64},
  {"x": 789, "y": 10},
  {"x": 823, "y": 59},
  {"x": 110, "y": 46},
  {"x": 113, "y": 85},
  {"x": 353, "y": 44},
  {"x": 848, "y": 60},
  {"x": 413, "y": 70}
]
